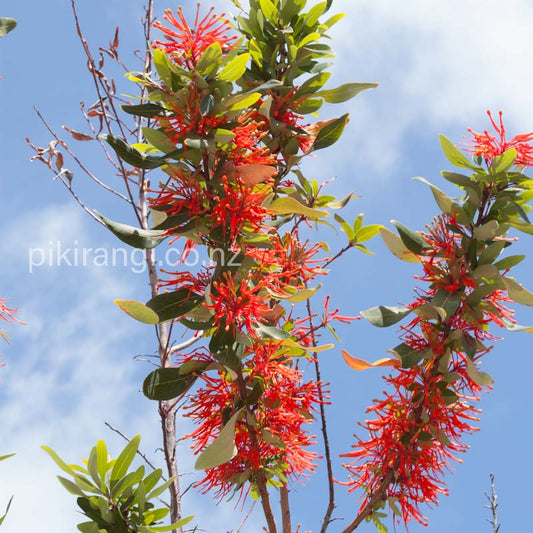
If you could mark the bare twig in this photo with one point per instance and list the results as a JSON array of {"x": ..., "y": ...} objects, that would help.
[
  {"x": 243, "y": 521},
  {"x": 324, "y": 429},
  {"x": 185, "y": 344},
  {"x": 493, "y": 506}
]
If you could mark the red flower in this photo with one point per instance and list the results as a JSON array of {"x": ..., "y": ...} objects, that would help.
[
  {"x": 280, "y": 443},
  {"x": 237, "y": 304},
  {"x": 8, "y": 315},
  {"x": 184, "y": 44},
  {"x": 489, "y": 146},
  {"x": 239, "y": 206}
]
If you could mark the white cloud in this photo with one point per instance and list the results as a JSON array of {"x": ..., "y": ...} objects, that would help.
[{"x": 441, "y": 65}]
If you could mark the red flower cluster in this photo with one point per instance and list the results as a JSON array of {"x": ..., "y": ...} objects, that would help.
[
  {"x": 274, "y": 442},
  {"x": 8, "y": 315},
  {"x": 184, "y": 44},
  {"x": 420, "y": 424},
  {"x": 489, "y": 146}
]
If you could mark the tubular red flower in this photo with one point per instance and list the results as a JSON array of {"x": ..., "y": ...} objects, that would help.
[
  {"x": 489, "y": 146},
  {"x": 184, "y": 44},
  {"x": 280, "y": 415}
]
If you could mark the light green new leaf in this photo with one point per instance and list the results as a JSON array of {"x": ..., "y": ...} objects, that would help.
[
  {"x": 444, "y": 202},
  {"x": 6, "y": 25},
  {"x": 235, "y": 69},
  {"x": 125, "y": 458},
  {"x": 290, "y": 206},
  {"x": 171, "y": 527}
]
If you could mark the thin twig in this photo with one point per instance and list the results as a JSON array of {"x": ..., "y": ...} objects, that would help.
[
  {"x": 185, "y": 344},
  {"x": 493, "y": 506},
  {"x": 324, "y": 429},
  {"x": 243, "y": 521}
]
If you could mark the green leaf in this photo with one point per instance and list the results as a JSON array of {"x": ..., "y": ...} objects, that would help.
[
  {"x": 487, "y": 231},
  {"x": 312, "y": 85},
  {"x": 145, "y": 110},
  {"x": 170, "y": 305},
  {"x": 522, "y": 226},
  {"x": 457, "y": 179},
  {"x": 509, "y": 262},
  {"x": 171, "y": 527},
  {"x": 449, "y": 301},
  {"x": 132, "y": 156},
  {"x": 70, "y": 486},
  {"x": 3, "y": 517},
  {"x": 518, "y": 293},
  {"x": 222, "y": 449},
  {"x": 479, "y": 378},
  {"x": 169, "y": 383},
  {"x": 271, "y": 332},
  {"x": 516, "y": 327},
  {"x": 454, "y": 156},
  {"x": 210, "y": 60},
  {"x": 4, "y": 457},
  {"x": 330, "y": 133},
  {"x": 138, "y": 311},
  {"x": 409, "y": 356},
  {"x": 444, "y": 202},
  {"x": 125, "y": 458},
  {"x": 6, "y": 25},
  {"x": 158, "y": 139},
  {"x": 235, "y": 69},
  {"x": 241, "y": 101},
  {"x": 59, "y": 462},
  {"x": 384, "y": 315},
  {"x": 101, "y": 458},
  {"x": 367, "y": 232},
  {"x": 345, "y": 227},
  {"x": 206, "y": 104},
  {"x": 345, "y": 92},
  {"x": 503, "y": 162},
  {"x": 144, "y": 239},
  {"x": 412, "y": 240},
  {"x": 397, "y": 247},
  {"x": 290, "y": 206}
]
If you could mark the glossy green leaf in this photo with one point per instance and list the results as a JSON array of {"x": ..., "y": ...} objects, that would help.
[
  {"x": 449, "y": 301},
  {"x": 132, "y": 156},
  {"x": 207, "y": 103},
  {"x": 367, "y": 232},
  {"x": 169, "y": 383},
  {"x": 124, "y": 460},
  {"x": 271, "y": 332},
  {"x": 412, "y": 240},
  {"x": 138, "y": 311},
  {"x": 222, "y": 449},
  {"x": 3, "y": 517},
  {"x": 384, "y": 316},
  {"x": 345, "y": 92},
  {"x": 170, "y": 305},
  {"x": 330, "y": 133},
  {"x": 522, "y": 226},
  {"x": 137, "y": 237}
]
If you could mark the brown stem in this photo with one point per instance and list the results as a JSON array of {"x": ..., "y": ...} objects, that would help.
[
  {"x": 261, "y": 478},
  {"x": 285, "y": 509},
  {"x": 377, "y": 496}
]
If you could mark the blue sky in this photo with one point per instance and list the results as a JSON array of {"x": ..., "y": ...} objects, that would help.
[{"x": 440, "y": 66}]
